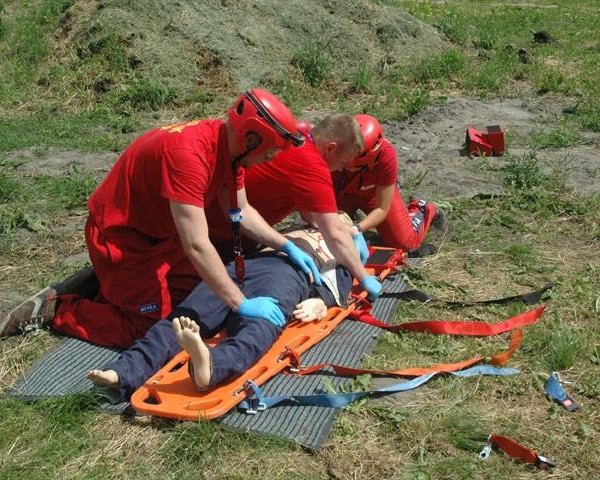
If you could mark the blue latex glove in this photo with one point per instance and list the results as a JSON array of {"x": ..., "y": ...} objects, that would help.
[
  {"x": 303, "y": 260},
  {"x": 263, "y": 307},
  {"x": 361, "y": 246},
  {"x": 372, "y": 286}
]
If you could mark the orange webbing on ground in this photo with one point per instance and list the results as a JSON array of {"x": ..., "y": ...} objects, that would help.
[{"x": 171, "y": 393}]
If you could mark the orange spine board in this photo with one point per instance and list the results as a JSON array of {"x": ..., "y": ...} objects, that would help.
[{"x": 171, "y": 393}]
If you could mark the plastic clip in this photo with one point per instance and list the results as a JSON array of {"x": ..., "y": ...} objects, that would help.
[
  {"x": 486, "y": 451},
  {"x": 254, "y": 401},
  {"x": 259, "y": 408},
  {"x": 556, "y": 392},
  {"x": 235, "y": 215},
  {"x": 544, "y": 463}
]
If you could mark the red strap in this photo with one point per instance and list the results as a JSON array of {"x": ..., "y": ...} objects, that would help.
[
  {"x": 479, "y": 329},
  {"x": 240, "y": 268},
  {"x": 515, "y": 450},
  {"x": 293, "y": 355},
  {"x": 232, "y": 174}
]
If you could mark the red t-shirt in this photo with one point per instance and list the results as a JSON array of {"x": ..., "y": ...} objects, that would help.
[
  {"x": 296, "y": 179},
  {"x": 187, "y": 163},
  {"x": 364, "y": 182}
]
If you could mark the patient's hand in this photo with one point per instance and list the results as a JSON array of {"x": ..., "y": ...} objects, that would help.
[{"x": 310, "y": 309}]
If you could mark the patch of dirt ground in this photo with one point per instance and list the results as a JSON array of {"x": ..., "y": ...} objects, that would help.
[
  {"x": 430, "y": 145},
  {"x": 430, "y": 148}
]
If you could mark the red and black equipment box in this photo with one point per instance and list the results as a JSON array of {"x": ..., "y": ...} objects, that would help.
[{"x": 488, "y": 143}]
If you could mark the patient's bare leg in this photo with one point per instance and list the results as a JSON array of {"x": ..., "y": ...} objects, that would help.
[
  {"x": 104, "y": 378},
  {"x": 188, "y": 336},
  {"x": 310, "y": 309}
]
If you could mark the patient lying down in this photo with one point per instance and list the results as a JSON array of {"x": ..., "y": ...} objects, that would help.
[
  {"x": 188, "y": 336},
  {"x": 202, "y": 315}
]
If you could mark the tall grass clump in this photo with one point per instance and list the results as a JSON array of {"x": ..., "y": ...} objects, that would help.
[
  {"x": 313, "y": 61},
  {"x": 537, "y": 191},
  {"x": 589, "y": 114},
  {"x": 362, "y": 79},
  {"x": 145, "y": 94},
  {"x": 437, "y": 68}
]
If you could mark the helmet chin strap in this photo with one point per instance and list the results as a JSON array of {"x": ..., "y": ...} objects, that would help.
[{"x": 236, "y": 161}]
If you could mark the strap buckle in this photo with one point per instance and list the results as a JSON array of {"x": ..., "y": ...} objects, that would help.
[
  {"x": 486, "y": 451},
  {"x": 360, "y": 301},
  {"x": 235, "y": 215},
  {"x": 294, "y": 357},
  {"x": 544, "y": 463},
  {"x": 254, "y": 401}
]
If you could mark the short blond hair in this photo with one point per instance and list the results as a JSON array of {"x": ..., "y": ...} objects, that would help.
[{"x": 342, "y": 129}]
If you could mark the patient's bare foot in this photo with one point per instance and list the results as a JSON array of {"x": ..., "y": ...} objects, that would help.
[
  {"x": 310, "y": 309},
  {"x": 104, "y": 378},
  {"x": 188, "y": 336}
]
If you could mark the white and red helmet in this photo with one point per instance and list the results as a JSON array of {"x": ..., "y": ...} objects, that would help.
[
  {"x": 260, "y": 112},
  {"x": 372, "y": 133}
]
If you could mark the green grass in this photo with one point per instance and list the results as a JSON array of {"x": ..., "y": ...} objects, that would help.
[
  {"x": 314, "y": 62},
  {"x": 70, "y": 131},
  {"x": 561, "y": 137},
  {"x": 31, "y": 202}
]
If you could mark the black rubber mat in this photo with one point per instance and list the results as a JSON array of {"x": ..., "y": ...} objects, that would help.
[
  {"x": 308, "y": 425},
  {"x": 63, "y": 371}
]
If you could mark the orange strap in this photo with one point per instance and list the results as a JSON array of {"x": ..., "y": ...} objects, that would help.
[{"x": 498, "y": 359}]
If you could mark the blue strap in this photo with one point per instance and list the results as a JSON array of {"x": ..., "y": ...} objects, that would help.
[
  {"x": 235, "y": 217},
  {"x": 555, "y": 391},
  {"x": 340, "y": 400}
]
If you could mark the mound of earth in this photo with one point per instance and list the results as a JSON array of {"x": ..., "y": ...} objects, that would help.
[{"x": 240, "y": 43}]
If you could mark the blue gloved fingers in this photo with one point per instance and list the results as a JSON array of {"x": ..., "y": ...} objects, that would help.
[
  {"x": 315, "y": 271},
  {"x": 277, "y": 318},
  {"x": 263, "y": 307},
  {"x": 361, "y": 246},
  {"x": 372, "y": 285},
  {"x": 276, "y": 314},
  {"x": 303, "y": 260}
]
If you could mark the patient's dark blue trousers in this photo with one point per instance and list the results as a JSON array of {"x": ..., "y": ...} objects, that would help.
[{"x": 247, "y": 340}]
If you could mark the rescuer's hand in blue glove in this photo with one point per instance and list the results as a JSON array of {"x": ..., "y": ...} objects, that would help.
[
  {"x": 262, "y": 307},
  {"x": 303, "y": 260},
  {"x": 361, "y": 246},
  {"x": 372, "y": 286}
]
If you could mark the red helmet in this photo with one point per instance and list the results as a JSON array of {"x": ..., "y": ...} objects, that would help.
[
  {"x": 372, "y": 141},
  {"x": 304, "y": 126},
  {"x": 262, "y": 113}
]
